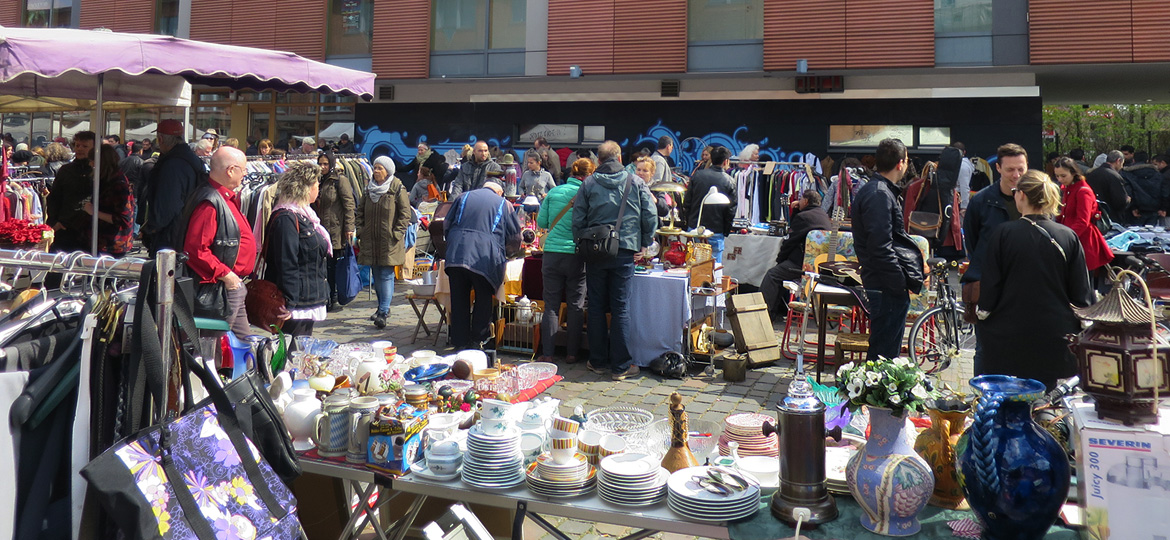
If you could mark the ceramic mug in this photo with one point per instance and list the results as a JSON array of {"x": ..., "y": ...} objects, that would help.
[
  {"x": 333, "y": 426},
  {"x": 610, "y": 445},
  {"x": 560, "y": 423},
  {"x": 494, "y": 409},
  {"x": 531, "y": 445},
  {"x": 493, "y": 427},
  {"x": 361, "y": 414},
  {"x": 562, "y": 450}
]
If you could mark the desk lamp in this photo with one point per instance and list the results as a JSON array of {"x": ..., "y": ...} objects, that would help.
[
  {"x": 713, "y": 196},
  {"x": 666, "y": 186}
]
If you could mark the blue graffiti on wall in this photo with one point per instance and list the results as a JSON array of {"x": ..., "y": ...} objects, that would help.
[
  {"x": 375, "y": 142},
  {"x": 688, "y": 151}
]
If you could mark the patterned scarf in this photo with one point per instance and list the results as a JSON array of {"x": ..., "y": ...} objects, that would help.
[{"x": 310, "y": 215}]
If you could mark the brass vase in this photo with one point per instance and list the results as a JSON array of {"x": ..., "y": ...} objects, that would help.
[
  {"x": 679, "y": 456},
  {"x": 937, "y": 446}
]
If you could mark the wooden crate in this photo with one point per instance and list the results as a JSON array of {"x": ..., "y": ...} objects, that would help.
[{"x": 752, "y": 329}]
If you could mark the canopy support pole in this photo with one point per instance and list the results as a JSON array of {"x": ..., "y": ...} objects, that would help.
[{"x": 99, "y": 134}]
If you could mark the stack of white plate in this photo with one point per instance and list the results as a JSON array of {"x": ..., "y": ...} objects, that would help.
[
  {"x": 551, "y": 479},
  {"x": 493, "y": 462},
  {"x": 632, "y": 479},
  {"x": 746, "y": 429},
  {"x": 687, "y": 498}
]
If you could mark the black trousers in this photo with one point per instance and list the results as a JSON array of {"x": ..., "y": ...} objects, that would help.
[
  {"x": 469, "y": 326},
  {"x": 331, "y": 272},
  {"x": 772, "y": 287}
]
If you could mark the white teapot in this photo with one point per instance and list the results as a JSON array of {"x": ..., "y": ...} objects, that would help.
[{"x": 524, "y": 310}]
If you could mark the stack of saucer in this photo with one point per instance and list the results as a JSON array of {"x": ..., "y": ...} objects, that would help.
[
  {"x": 493, "y": 461},
  {"x": 551, "y": 479},
  {"x": 687, "y": 498},
  {"x": 746, "y": 429},
  {"x": 632, "y": 479}
]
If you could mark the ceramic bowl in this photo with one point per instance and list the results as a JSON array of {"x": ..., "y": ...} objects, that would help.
[
  {"x": 486, "y": 373},
  {"x": 444, "y": 449},
  {"x": 765, "y": 468},
  {"x": 611, "y": 444},
  {"x": 444, "y": 464},
  {"x": 531, "y": 445},
  {"x": 442, "y": 421},
  {"x": 589, "y": 442}
]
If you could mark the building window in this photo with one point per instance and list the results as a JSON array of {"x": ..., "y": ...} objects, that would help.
[
  {"x": 725, "y": 20},
  {"x": 166, "y": 17},
  {"x": 350, "y": 28},
  {"x": 962, "y": 17},
  {"x": 508, "y": 24},
  {"x": 48, "y": 13},
  {"x": 459, "y": 25}
]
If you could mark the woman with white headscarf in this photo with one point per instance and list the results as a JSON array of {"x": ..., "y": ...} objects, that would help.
[{"x": 382, "y": 216}]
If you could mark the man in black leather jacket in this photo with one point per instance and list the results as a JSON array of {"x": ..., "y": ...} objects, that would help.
[{"x": 891, "y": 263}]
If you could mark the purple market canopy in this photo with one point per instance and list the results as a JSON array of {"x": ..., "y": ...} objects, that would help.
[{"x": 58, "y": 65}]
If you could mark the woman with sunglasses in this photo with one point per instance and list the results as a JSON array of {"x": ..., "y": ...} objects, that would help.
[{"x": 1033, "y": 270}]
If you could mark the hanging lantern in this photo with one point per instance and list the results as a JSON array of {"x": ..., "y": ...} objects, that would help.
[{"x": 1120, "y": 363}]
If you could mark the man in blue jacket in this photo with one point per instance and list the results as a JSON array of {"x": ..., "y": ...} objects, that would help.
[
  {"x": 481, "y": 225},
  {"x": 608, "y": 281},
  {"x": 174, "y": 178},
  {"x": 891, "y": 263}
]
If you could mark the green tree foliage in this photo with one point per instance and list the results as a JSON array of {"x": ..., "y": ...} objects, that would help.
[{"x": 1101, "y": 128}]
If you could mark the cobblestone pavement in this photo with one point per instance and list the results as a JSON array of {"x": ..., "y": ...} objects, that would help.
[{"x": 706, "y": 396}]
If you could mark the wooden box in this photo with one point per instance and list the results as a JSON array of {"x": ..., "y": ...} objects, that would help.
[{"x": 752, "y": 329}]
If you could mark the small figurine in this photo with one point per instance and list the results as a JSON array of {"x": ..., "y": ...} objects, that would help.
[{"x": 679, "y": 456}]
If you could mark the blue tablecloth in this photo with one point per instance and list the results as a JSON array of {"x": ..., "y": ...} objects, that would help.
[{"x": 659, "y": 310}]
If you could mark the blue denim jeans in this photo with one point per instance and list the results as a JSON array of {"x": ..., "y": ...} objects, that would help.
[
  {"x": 383, "y": 278},
  {"x": 716, "y": 242},
  {"x": 609, "y": 291},
  {"x": 887, "y": 322}
]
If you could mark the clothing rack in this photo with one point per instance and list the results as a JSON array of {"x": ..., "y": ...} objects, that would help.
[{"x": 78, "y": 262}]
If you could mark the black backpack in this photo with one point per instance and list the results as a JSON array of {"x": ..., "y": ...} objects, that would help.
[{"x": 670, "y": 365}]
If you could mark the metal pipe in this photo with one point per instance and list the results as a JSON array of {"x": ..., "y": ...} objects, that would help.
[
  {"x": 124, "y": 268},
  {"x": 166, "y": 259},
  {"x": 99, "y": 130}
]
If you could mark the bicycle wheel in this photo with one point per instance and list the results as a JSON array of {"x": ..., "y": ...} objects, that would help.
[{"x": 935, "y": 341}]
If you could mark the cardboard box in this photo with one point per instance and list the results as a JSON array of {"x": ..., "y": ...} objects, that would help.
[
  {"x": 395, "y": 442},
  {"x": 1123, "y": 475}
]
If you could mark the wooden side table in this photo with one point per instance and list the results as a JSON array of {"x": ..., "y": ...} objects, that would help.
[{"x": 422, "y": 313}]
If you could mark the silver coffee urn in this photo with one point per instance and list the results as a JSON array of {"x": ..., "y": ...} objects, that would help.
[{"x": 801, "y": 428}]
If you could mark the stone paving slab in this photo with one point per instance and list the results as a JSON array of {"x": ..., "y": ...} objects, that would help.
[{"x": 706, "y": 397}]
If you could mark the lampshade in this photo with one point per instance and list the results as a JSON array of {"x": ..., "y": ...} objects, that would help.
[{"x": 714, "y": 196}]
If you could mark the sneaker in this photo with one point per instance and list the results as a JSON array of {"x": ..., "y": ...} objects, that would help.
[
  {"x": 380, "y": 320},
  {"x": 633, "y": 370},
  {"x": 597, "y": 370}
]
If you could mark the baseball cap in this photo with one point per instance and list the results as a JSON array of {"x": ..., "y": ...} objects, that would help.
[{"x": 173, "y": 128}]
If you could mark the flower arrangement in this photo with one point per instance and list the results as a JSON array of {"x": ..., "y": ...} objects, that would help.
[
  {"x": 19, "y": 232},
  {"x": 895, "y": 384}
]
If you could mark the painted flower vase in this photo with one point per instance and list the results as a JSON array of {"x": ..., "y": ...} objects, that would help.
[
  {"x": 887, "y": 478},
  {"x": 937, "y": 446},
  {"x": 1014, "y": 473}
]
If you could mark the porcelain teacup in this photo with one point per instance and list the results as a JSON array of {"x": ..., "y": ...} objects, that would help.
[{"x": 494, "y": 409}]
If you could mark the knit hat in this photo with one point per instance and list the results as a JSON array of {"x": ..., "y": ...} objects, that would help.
[{"x": 386, "y": 163}]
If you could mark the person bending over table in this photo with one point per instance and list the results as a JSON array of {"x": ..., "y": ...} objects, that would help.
[
  {"x": 481, "y": 226},
  {"x": 790, "y": 261}
]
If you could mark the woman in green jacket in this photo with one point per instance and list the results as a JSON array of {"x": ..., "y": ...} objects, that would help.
[{"x": 564, "y": 273}]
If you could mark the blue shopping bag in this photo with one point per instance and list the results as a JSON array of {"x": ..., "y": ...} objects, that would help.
[{"x": 349, "y": 284}]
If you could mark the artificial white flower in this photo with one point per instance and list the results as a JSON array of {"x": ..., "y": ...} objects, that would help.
[
  {"x": 892, "y": 387},
  {"x": 872, "y": 378},
  {"x": 919, "y": 392},
  {"x": 902, "y": 361},
  {"x": 854, "y": 390},
  {"x": 895, "y": 399}
]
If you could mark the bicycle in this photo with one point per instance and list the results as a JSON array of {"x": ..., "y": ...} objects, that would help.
[{"x": 940, "y": 335}]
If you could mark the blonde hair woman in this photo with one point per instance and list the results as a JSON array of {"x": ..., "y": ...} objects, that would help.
[
  {"x": 298, "y": 248},
  {"x": 1034, "y": 270}
]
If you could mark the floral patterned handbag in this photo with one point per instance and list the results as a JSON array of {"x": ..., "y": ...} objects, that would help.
[{"x": 192, "y": 477}]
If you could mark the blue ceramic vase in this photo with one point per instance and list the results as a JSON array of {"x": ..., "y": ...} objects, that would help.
[
  {"x": 1015, "y": 474},
  {"x": 887, "y": 478}
]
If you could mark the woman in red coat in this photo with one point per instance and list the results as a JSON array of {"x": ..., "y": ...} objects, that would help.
[{"x": 1080, "y": 206}]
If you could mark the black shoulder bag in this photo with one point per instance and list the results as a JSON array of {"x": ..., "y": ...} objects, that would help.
[{"x": 600, "y": 242}]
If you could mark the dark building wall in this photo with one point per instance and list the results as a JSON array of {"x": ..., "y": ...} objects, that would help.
[{"x": 785, "y": 130}]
